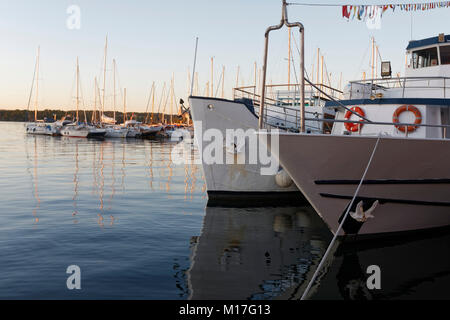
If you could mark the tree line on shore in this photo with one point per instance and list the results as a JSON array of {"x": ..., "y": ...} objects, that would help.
[{"x": 24, "y": 115}]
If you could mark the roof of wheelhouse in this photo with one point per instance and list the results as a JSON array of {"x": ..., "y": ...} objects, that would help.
[{"x": 427, "y": 42}]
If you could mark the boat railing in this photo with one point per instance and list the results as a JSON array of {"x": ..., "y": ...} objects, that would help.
[
  {"x": 445, "y": 128},
  {"x": 282, "y": 101},
  {"x": 437, "y": 84}
]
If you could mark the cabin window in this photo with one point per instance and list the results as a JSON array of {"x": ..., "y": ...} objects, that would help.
[
  {"x": 445, "y": 54},
  {"x": 425, "y": 58}
]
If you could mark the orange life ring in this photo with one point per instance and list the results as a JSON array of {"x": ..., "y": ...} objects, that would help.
[
  {"x": 400, "y": 110},
  {"x": 353, "y": 127}
]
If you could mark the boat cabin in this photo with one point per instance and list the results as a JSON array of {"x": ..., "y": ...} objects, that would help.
[{"x": 416, "y": 105}]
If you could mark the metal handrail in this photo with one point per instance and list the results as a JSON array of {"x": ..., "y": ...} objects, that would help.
[{"x": 398, "y": 124}]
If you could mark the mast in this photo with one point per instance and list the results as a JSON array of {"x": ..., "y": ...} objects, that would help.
[
  {"x": 223, "y": 81},
  {"x": 373, "y": 55},
  {"x": 114, "y": 90},
  {"x": 94, "y": 114},
  {"x": 78, "y": 88},
  {"x": 124, "y": 105},
  {"x": 104, "y": 76},
  {"x": 212, "y": 77},
  {"x": 171, "y": 100},
  {"x": 153, "y": 101},
  {"x": 254, "y": 89},
  {"x": 289, "y": 58},
  {"x": 37, "y": 84}
]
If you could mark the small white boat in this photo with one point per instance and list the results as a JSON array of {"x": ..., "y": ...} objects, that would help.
[
  {"x": 116, "y": 131},
  {"x": 75, "y": 130},
  {"x": 43, "y": 128},
  {"x": 133, "y": 127},
  {"x": 149, "y": 131}
]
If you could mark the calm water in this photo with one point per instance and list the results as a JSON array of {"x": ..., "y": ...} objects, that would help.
[{"x": 137, "y": 226}]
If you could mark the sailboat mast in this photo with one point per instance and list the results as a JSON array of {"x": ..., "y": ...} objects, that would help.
[
  {"x": 104, "y": 76},
  {"x": 289, "y": 58},
  {"x": 153, "y": 101},
  {"x": 171, "y": 100},
  {"x": 124, "y": 105},
  {"x": 78, "y": 87},
  {"x": 95, "y": 101},
  {"x": 37, "y": 84},
  {"x": 114, "y": 90}
]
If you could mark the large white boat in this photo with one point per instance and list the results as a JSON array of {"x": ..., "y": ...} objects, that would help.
[
  {"x": 243, "y": 180},
  {"x": 385, "y": 163}
]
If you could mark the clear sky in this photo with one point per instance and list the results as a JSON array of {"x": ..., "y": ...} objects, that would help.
[{"x": 152, "y": 39}]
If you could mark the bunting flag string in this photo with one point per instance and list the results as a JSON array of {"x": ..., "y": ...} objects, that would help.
[
  {"x": 372, "y": 12},
  {"x": 363, "y": 12}
]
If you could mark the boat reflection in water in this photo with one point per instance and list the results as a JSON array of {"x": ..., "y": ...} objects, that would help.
[
  {"x": 413, "y": 267},
  {"x": 257, "y": 253},
  {"x": 272, "y": 253}
]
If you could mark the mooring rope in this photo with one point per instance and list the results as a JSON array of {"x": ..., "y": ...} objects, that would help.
[{"x": 305, "y": 293}]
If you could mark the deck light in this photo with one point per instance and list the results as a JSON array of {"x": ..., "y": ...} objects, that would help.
[{"x": 386, "y": 70}]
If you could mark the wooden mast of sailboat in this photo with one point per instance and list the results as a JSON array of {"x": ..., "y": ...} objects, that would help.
[{"x": 37, "y": 84}]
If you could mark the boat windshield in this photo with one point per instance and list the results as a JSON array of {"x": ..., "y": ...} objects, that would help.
[
  {"x": 445, "y": 54},
  {"x": 425, "y": 58}
]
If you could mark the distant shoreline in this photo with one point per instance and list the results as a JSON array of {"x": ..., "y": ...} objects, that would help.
[{"x": 21, "y": 115}]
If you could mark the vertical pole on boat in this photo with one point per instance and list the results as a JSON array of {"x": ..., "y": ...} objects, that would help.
[
  {"x": 373, "y": 55},
  {"x": 289, "y": 59},
  {"x": 193, "y": 68},
  {"x": 37, "y": 84},
  {"x": 171, "y": 99},
  {"x": 78, "y": 86},
  {"x": 302, "y": 79},
  {"x": 124, "y": 105},
  {"x": 254, "y": 88},
  {"x": 318, "y": 64},
  {"x": 223, "y": 82},
  {"x": 114, "y": 90},
  {"x": 212, "y": 77},
  {"x": 284, "y": 20},
  {"x": 153, "y": 101},
  {"x": 104, "y": 76},
  {"x": 94, "y": 113}
]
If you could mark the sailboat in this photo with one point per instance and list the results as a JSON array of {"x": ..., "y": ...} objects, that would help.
[
  {"x": 77, "y": 128},
  {"x": 112, "y": 130},
  {"x": 149, "y": 129},
  {"x": 40, "y": 127}
]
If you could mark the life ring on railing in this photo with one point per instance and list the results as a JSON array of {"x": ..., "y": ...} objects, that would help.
[
  {"x": 400, "y": 110},
  {"x": 353, "y": 127}
]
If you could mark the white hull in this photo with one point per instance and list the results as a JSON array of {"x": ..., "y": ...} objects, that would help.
[
  {"x": 410, "y": 178},
  {"x": 231, "y": 178},
  {"x": 112, "y": 132},
  {"x": 42, "y": 128},
  {"x": 75, "y": 131}
]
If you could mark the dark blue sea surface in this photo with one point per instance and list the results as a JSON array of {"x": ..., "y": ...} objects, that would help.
[{"x": 138, "y": 226}]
